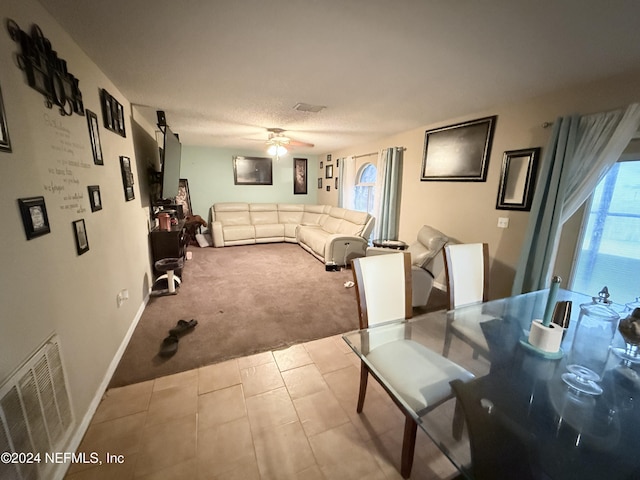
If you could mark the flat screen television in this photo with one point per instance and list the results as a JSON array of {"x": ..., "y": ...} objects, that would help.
[{"x": 171, "y": 154}]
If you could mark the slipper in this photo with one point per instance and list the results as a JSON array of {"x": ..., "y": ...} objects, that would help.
[
  {"x": 182, "y": 326},
  {"x": 169, "y": 346}
]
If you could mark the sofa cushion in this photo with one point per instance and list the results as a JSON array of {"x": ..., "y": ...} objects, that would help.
[
  {"x": 272, "y": 230},
  {"x": 290, "y": 213},
  {"x": 332, "y": 224},
  {"x": 314, "y": 237},
  {"x": 354, "y": 222},
  {"x": 430, "y": 242},
  {"x": 239, "y": 232}
]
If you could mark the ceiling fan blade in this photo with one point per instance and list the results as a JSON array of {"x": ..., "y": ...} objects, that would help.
[{"x": 297, "y": 143}]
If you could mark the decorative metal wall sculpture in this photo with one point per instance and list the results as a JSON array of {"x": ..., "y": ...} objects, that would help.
[{"x": 46, "y": 72}]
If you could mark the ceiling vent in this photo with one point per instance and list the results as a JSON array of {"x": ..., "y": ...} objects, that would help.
[{"x": 306, "y": 107}]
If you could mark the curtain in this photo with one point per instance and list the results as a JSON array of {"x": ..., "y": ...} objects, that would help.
[
  {"x": 347, "y": 175},
  {"x": 388, "y": 189},
  {"x": 580, "y": 152}
]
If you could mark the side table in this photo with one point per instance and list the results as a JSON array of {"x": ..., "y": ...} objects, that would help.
[{"x": 393, "y": 244}]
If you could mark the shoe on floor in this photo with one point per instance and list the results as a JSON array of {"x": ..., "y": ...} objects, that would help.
[
  {"x": 169, "y": 346},
  {"x": 182, "y": 326}
]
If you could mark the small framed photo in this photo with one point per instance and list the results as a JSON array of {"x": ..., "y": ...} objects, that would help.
[
  {"x": 80, "y": 231},
  {"x": 5, "y": 143},
  {"x": 337, "y": 183},
  {"x": 328, "y": 188},
  {"x": 94, "y": 197},
  {"x": 337, "y": 162},
  {"x": 94, "y": 136},
  {"x": 127, "y": 178},
  {"x": 321, "y": 165},
  {"x": 328, "y": 171},
  {"x": 34, "y": 216},
  {"x": 329, "y": 158},
  {"x": 320, "y": 183}
]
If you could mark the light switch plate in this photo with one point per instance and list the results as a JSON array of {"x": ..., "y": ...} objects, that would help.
[{"x": 503, "y": 222}]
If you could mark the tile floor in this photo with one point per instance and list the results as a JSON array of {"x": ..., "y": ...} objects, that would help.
[{"x": 287, "y": 414}]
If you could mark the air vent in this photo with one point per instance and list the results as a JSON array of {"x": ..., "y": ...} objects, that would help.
[
  {"x": 35, "y": 414},
  {"x": 306, "y": 107}
]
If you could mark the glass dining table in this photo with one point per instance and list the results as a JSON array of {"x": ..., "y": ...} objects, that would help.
[{"x": 574, "y": 435}]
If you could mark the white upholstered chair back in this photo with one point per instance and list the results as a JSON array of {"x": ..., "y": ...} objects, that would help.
[
  {"x": 467, "y": 269},
  {"x": 383, "y": 288}
]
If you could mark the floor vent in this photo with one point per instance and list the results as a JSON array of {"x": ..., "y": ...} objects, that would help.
[{"x": 35, "y": 415}]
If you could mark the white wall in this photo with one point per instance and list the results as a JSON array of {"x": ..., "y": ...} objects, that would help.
[
  {"x": 466, "y": 210},
  {"x": 46, "y": 286},
  {"x": 210, "y": 175}
]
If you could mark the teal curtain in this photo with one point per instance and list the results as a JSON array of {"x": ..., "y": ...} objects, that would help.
[
  {"x": 388, "y": 192},
  {"x": 580, "y": 152}
]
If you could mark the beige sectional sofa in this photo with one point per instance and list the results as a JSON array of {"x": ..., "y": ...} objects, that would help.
[{"x": 334, "y": 235}]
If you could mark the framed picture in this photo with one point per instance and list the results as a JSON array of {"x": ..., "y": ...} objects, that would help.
[
  {"x": 328, "y": 188},
  {"x": 252, "y": 171},
  {"x": 328, "y": 158},
  {"x": 94, "y": 197},
  {"x": 5, "y": 143},
  {"x": 94, "y": 136},
  {"x": 112, "y": 113},
  {"x": 337, "y": 162},
  {"x": 328, "y": 172},
  {"x": 517, "y": 179},
  {"x": 458, "y": 152},
  {"x": 337, "y": 183},
  {"x": 80, "y": 232},
  {"x": 34, "y": 216},
  {"x": 299, "y": 176},
  {"x": 184, "y": 197},
  {"x": 321, "y": 165},
  {"x": 320, "y": 183},
  {"x": 127, "y": 178}
]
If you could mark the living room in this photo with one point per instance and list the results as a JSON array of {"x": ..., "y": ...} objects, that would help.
[{"x": 49, "y": 289}]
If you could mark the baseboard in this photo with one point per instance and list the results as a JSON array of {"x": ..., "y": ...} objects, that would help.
[{"x": 76, "y": 438}]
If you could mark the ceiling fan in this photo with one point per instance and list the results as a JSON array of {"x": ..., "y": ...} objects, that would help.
[{"x": 278, "y": 143}]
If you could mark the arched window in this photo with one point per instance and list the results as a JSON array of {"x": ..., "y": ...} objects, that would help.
[{"x": 365, "y": 188}]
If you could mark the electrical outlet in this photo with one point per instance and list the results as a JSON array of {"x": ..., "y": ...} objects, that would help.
[
  {"x": 122, "y": 296},
  {"x": 503, "y": 222}
]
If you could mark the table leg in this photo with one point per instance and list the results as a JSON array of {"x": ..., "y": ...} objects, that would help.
[{"x": 408, "y": 446}]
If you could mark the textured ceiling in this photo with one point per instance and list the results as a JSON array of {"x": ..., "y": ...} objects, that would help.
[{"x": 225, "y": 70}]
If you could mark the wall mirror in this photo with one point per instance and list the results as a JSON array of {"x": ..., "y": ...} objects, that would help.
[{"x": 517, "y": 179}]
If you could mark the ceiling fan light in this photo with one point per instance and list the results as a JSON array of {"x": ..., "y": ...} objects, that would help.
[
  {"x": 281, "y": 150},
  {"x": 272, "y": 150}
]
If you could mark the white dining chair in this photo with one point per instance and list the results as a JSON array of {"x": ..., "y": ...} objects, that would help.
[
  {"x": 410, "y": 370},
  {"x": 467, "y": 273}
]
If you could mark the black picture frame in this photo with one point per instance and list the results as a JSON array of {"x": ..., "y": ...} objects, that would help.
[
  {"x": 299, "y": 176},
  {"x": 518, "y": 179},
  {"x": 329, "y": 157},
  {"x": 94, "y": 137},
  {"x": 252, "y": 171},
  {"x": 80, "y": 234},
  {"x": 34, "y": 216},
  {"x": 328, "y": 188},
  {"x": 458, "y": 152},
  {"x": 328, "y": 172},
  {"x": 319, "y": 182},
  {"x": 127, "y": 178},
  {"x": 336, "y": 184},
  {"x": 5, "y": 142},
  {"x": 184, "y": 197},
  {"x": 95, "y": 197},
  {"x": 112, "y": 113},
  {"x": 321, "y": 164}
]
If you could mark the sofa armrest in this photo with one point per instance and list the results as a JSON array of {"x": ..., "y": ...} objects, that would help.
[
  {"x": 341, "y": 249},
  {"x": 216, "y": 233}
]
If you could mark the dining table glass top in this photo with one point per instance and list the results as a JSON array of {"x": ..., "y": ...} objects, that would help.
[{"x": 575, "y": 435}]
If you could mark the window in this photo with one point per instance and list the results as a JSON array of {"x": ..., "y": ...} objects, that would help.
[
  {"x": 609, "y": 250},
  {"x": 365, "y": 188}
]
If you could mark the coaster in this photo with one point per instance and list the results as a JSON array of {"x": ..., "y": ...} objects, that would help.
[{"x": 542, "y": 353}]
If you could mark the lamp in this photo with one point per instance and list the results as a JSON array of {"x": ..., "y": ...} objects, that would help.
[{"x": 276, "y": 149}]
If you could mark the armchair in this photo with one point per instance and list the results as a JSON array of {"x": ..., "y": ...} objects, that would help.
[{"x": 426, "y": 262}]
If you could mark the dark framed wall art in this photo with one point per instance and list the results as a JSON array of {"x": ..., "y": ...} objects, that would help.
[
  {"x": 328, "y": 172},
  {"x": 112, "y": 113},
  {"x": 94, "y": 136},
  {"x": 299, "y": 176},
  {"x": 458, "y": 152},
  {"x": 319, "y": 182},
  {"x": 95, "y": 199},
  {"x": 34, "y": 216},
  {"x": 127, "y": 178},
  {"x": 517, "y": 179},
  {"x": 5, "y": 143},
  {"x": 80, "y": 233},
  {"x": 252, "y": 171},
  {"x": 184, "y": 197}
]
